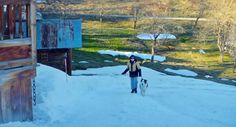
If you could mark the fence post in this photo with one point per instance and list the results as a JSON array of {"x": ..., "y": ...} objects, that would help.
[
  {"x": 33, "y": 32},
  {"x": 1, "y": 22}
]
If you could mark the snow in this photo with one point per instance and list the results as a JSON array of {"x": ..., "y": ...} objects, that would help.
[
  {"x": 182, "y": 72},
  {"x": 202, "y": 51},
  {"x": 128, "y": 54},
  {"x": 104, "y": 100},
  {"x": 108, "y": 61},
  {"x": 83, "y": 62},
  {"x": 208, "y": 76},
  {"x": 224, "y": 79},
  {"x": 40, "y": 1},
  {"x": 146, "y": 36}
]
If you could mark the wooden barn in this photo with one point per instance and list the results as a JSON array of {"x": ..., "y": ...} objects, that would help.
[
  {"x": 17, "y": 59},
  {"x": 55, "y": 40}
]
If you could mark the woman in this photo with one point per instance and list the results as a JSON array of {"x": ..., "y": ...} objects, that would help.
[{"x": 134, "y": 71}]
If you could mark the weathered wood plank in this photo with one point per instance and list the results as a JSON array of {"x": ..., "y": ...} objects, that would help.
[
  {"x": 27, "y": 20},
  {"x": 20, "y": 20},
  {"x": 16, "y": 96},
  {"x": 15, "y": 63},
  {"x": 6, "y": 105},
  {"x": 15, "y": 100},
  {"x": 23, "y": 99},
  {"x": 27, "y": 98},
  {"x": 24, "y": 72},
  {"x": 13, "y": 53},
  {"x": 14, "y": 20},
  {"x": 9, "y": 21},
  {"x": 1, "y": 22},
  {"x": 15, "y": 42},
  {"x": 33, "y": 31}
]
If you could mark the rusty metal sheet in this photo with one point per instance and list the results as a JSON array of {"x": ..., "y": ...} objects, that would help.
[{"x": 58, "y": 33}]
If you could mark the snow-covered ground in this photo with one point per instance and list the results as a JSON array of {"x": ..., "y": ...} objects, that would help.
[
  {"x": 146, "y": 36},
  {"x": 104, "y": 100},
  {"x": 128, "y": 54},
  {"x": 202, "y": 51},
  {"x": 225, "y": 79},
  {"x": 83, "y": 62},
  {"x": 208, "y": 76},
  {"x": 182, "y": 72},
  {"x": 108, "y": 61}
]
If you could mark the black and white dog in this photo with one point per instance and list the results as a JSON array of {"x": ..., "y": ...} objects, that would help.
[{"x": 143, "y": 85}]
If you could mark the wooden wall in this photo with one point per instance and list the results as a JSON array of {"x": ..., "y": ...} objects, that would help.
[
  {"x": 15, "y": 52},
  {"x": 55, "y": 58},
  {"x": 16, "y": 95},
  {"x": 16, "y": 72},
  {"x": 17, "y": 60}
]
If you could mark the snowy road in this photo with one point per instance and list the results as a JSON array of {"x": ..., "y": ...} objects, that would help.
[{"x": 104, "y": 100}]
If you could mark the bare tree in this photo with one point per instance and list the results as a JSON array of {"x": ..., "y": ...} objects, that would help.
[
  {"x": 231, "y": 46},
  {"x": 221, "y": 14},
  {"x": 136, "y": 12},
  {"x": 154, "y": 26},
  {"x": 101, "y": 9},
  {"x": 155, "y": 29},
  {"x": 202, "y": 8}
]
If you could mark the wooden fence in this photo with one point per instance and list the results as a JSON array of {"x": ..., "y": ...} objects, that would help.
[{"x": 12, "y": 15}]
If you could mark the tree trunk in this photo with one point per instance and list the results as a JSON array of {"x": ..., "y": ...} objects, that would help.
[
  {"x": 221, "y": 48},
  {"x": 200, "y": 14},
  {"x": 135, "y": 17},
  {"x": 135, "y": 23},
  {"x": 221, "y": 57},
  {"x": 100, "y": 19},
  {"x": 195, "y": 24},
  {"x": 153, "y": 49},
  {"x": 153, "y": 53}
]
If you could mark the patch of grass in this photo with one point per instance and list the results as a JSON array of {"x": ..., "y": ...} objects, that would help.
[
  {"x": 120, "y": 36},
  {"x": 208, "y": 62},
  {"x": 94, "y": 59}
]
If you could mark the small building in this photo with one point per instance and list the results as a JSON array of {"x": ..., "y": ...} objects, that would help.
[
  {"x": 55, "y": 40},
  {"x": 17, "y": 59}
]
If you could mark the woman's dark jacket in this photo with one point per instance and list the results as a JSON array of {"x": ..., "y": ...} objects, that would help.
[{"x": 133, "y": 68}]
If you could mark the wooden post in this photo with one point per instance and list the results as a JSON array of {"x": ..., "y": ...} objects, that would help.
[
  {"x": 69, "y": 59},
  {"x": 9, "y": 20},
  {"x": 14, "y": 19},
  {"x": 27, "y": 20},
  {"x": 20, "y": 19},
  {"x": 33, "y": 31},
  {"x": 1, "y": 22}
]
